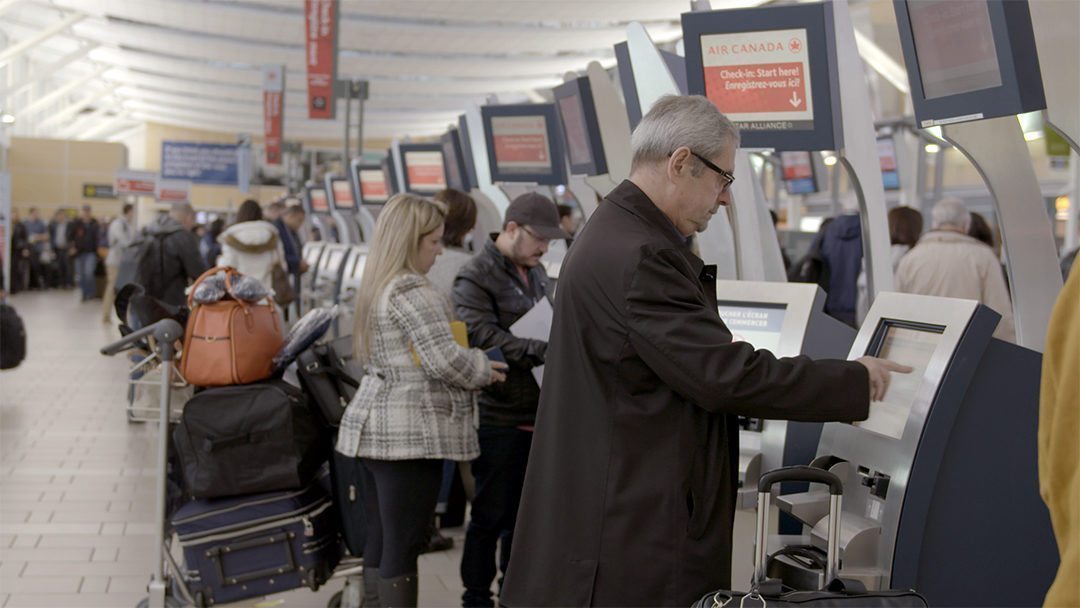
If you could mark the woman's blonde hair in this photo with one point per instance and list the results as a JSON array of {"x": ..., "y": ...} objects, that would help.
[{"x": 404, "y": 220}]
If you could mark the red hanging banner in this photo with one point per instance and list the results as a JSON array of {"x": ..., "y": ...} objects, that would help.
[
  {"x": 273, "y": 111},
  {"x": 321, "y": 50}
]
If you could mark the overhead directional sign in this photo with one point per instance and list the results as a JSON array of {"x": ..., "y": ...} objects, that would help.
[
  {"x": 140, "y": 183},
  {"x": 771, "y": 70}
]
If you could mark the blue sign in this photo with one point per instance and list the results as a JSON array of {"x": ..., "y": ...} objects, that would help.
[{"x": 201, "y": 163}]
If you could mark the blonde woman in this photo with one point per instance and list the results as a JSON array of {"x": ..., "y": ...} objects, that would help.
[{"x": 406, "y": 419}]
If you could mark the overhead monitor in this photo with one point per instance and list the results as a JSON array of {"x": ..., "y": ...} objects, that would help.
[
  {"x": 580, "y": 127},
  {"x": 911, "y": 344},
  {"x": 524, "y": 144},
  {"x": 969, "y": 59},
  {"x": 389, "y": 172},
  {"x": 316, "y": 196},
  {"x": 771, "y": 70},
  {"x": 370, "y": 181},
  {"x": 467, "y": 157},
  {"x": 423, "y": 168},
  {"x": 886, "y": 150},
  {"x": 758, "y": 323},
  {"x": 799, "y": 174},
  {"x": 457, "y": 175},
  {"x": 342, "y": 194}
]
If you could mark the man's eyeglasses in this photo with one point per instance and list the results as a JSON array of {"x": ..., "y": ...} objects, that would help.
[
  {"x": 535, "y": 236},
  {"x": 728, "y": 177}
]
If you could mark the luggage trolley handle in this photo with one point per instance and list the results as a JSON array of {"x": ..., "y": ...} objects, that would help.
[
  {"x": 165, "y": 331},
  {"x": 806, "y": 474}
]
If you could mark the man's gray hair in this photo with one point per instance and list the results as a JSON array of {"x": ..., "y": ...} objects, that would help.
[
  {"x": 682, "y": 120},
  {"x": 951, "y": 211},
  {"x": 180, "y": 211}
]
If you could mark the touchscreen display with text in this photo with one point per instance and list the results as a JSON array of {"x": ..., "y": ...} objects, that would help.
[
  {"x": 761, "y": 325},
  {"x": 954, "y": 42},
  {"x": 911, "y": 347}
]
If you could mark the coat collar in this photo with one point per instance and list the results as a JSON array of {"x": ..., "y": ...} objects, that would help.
[{"x": 630, "y": 197}]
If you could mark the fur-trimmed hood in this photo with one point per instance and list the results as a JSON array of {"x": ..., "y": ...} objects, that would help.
[{"x": 251, "y": 237}]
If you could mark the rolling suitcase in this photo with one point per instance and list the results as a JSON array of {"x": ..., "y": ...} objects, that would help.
[
  {"x": 837, "y": 592},
  {"x": 247, "y": 546}
]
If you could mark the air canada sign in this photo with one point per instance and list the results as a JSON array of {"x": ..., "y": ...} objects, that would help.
[{"x": 760, "y": 80}]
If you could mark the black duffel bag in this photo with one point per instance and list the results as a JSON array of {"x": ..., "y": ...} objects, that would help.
[
  {"x": 251, "y": 438},
  {"x": 328, "y": 379}
]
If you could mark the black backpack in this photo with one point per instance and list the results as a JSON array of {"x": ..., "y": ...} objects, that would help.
[
  {"x": 12, "y": 338},
  {"x": 143, "y": 263}
]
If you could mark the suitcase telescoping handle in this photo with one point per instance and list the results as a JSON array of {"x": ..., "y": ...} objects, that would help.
[{"x": 805, "y": 474}]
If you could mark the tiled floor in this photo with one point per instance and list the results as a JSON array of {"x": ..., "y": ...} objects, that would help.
[{"x": 77, "y": 479}]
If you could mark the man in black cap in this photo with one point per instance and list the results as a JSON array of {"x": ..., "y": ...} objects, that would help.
[{"x": 492, "y": 291}]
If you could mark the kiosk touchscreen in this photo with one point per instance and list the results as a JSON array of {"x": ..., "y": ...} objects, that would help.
[
  {"x": 422, "y": 168},
  {"x": 369, "y": 183},
  {"x": 324, "y": 289},
  {"x": 580, "y": 127},
  {"x": 800, "y": 175},
  {"x": 318, "y": 212},
  {"x": 886, "y": 147},
  {"x": 389, "y": 173},
  {"x": 940, "y": 481},
  {"x": 524, "y": 144},
  {"x": 457, "y": 174},
  {"x": 351, "y": 274},
  {"x": 357, "y": 220}
]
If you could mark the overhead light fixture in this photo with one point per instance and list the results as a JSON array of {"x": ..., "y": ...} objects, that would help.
[
  {"x": 830, "y": 160},
  {"x": 932, "y": 148},
  {"x": 7, "y": 119}
]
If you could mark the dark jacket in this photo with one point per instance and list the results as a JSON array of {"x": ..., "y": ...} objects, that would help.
[
  {"x": 84, "y": 235},
  {"x": 841, "y": 248},
  {"x": 630, "y": 493},
  {"x": 180, "y": 261},
  {"x": 489, "y": 296},
  {"x": 291, "y": 244}
]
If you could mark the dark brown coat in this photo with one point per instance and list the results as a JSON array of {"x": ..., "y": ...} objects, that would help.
[{"x": 630, "y": 492}]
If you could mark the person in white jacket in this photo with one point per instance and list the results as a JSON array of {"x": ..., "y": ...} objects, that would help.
[{"x": 251, "y": 245}]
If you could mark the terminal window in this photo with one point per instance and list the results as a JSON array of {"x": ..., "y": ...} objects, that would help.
[
  {"x": 909, "y": 346},
  {"x": 954, "y": 44},
  {"x": 758, "y": 324}
]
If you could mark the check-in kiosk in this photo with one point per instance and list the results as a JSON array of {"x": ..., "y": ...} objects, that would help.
[
  {"x": 371, "y": 188},
  {"x": 327, "y": 279},
  {"x": 317, "y": 207},
  {"x": 940, "y": 482},
  {"x": 578, "y": 108},
  {"x": 354, "y": 223},
  {"x": 389, "y": 169},
  {"x": 351, "y": 275},
  {"x": 676, "y": 65},
  {"x": 418, "y": 167},
  {"x": 460, "y": 168},
  {"x": 311, "y": 253}
]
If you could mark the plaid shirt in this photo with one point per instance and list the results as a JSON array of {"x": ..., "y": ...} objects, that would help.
[{"x": 402, "y": 411}]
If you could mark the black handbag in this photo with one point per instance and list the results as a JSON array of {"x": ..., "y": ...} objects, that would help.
[
  {"x": 327, "y": 378},
  {"x": 251, "y": 438},
  {"x": 770, "y": 592}
]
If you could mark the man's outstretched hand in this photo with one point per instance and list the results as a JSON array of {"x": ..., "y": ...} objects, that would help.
[{"x": 879, "y": 374}]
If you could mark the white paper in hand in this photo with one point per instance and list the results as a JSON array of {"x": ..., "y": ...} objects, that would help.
[{"x": 535, "y": 325}]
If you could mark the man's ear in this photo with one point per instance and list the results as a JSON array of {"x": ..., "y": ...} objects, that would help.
[{"x": 678, "y": 163}]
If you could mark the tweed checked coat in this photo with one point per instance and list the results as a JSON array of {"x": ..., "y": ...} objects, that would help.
[{"x": 402, "y": 411}]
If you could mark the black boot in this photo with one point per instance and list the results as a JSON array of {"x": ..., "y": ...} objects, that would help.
[
  {"x": 399, "y": 592},
  {"x": 438, "y": 542},
  {"x": 371, "y": 588}
]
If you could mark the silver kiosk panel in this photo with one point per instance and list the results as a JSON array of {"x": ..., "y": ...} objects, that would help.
[{"x": 940, "y": 482}]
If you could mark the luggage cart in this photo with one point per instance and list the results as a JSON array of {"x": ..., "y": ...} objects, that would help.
[
  {"x": 168, "y": 584},
  {"x": 144, "y": 376}
]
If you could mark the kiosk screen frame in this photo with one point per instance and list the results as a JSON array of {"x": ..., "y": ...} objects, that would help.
[
  {"x": 581, "y": 127},
  {"x": 467, "y": 157},
  {"x": 410, "y": 150},
  {"x": 1003, "y": 83},
  {"x": 761, "y": 325},
  {"x": 513, "y": 117},
  {"x": 731, "y": 39},
  {"x": 457, "y": 175},
  {"x": 676, "y": 66},
  {"x": 390, "y": 172},
  {"x": 359, "y": 169},
  {"x": 317, "y": 192},
  {"x": 799, "y": 184},
  {"x": 896, "y": 339},
  {"x": 336, "y": 203}
]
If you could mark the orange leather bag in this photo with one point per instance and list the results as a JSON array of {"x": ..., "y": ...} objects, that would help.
[{"x": 230, "y": 341}]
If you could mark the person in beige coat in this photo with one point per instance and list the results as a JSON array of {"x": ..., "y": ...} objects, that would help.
[
  {"x": 947, "y": 262},
  {"x": 251, "y": 245},
  {"x": 407, "y": 417}
]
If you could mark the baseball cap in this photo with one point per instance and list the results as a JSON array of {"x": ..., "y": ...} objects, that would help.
[{"x": 537, "y": 212}]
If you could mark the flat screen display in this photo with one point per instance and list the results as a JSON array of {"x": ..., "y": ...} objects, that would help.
[
  {"x": 389, "y": 175},
  {"x": 319, "y": 204},
  {"x": 954, "y": 43},
  {"x": 424, "y": 170},
  {"x": 759, "y": 324},
  {"x": 454, "y": 177},
  {"x": 760, "y": 79},
  {"x": 521, "y": 144},
  {"x": 577, "y": 138},
  {"x": 334, "y": 258},
  {"x": 343, "y": 195},
  {"x": 358, "y": 267},
  {"x": 886, "y": 149},
  {"x": 907, "y": 346},
  {"x": 373, "y": 186},
  {"x": 798, "y": 172}
]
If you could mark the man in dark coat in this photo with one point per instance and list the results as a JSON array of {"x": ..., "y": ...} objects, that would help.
[
  {"x": 630, "y": 493},
  {"x": 173, "y": 260}
]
